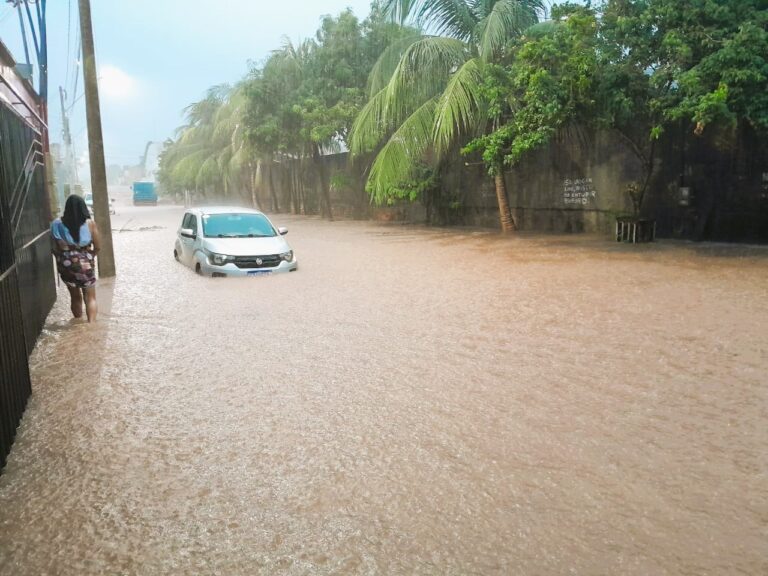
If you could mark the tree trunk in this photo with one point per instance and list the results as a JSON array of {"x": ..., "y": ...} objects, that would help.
[
  {"x": 428, "y": 206},
  {"x": 295, "y": 201},
  {"x": 324, "y": 187},
  {"x": 252, "y": 187},
  {"x": 306, "y": 193},
  {"x": 273, "y": 194},
  {"x": 297, "y": 185},
  {"x": 505, "y": 215},
  {"x": 363, "y": 200}
]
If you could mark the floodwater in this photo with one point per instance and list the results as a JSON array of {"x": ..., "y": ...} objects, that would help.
[{"x": 411, "y": 401}]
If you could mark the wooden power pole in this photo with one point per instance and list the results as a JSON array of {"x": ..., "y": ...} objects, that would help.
[{"x": 106, "y": 256}]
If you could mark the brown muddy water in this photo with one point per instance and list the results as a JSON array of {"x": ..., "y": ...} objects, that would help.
[{"x": 411, "y": 401}]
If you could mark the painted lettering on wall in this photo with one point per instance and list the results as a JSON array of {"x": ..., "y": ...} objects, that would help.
[{"x": 578, "y": 191}]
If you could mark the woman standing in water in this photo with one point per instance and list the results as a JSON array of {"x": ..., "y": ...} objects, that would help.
[{"x": 76, "y": 242}]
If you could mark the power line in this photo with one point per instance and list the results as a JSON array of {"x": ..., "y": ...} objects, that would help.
[
  {"x": 77, "y": 59},
  {"x": 8, "y": 12},
  {"x": 75, "y": 101},
  {"x": 69, "y": 38}
]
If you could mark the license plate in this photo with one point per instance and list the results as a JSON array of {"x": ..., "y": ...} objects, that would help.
[{"x": 258, "y": 272}]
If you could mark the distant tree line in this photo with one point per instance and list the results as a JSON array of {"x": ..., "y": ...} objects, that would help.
[{"x": 420, "y": 83}]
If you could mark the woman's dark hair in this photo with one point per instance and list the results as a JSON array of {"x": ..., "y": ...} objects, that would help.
[{"x": 75, "y": 213}]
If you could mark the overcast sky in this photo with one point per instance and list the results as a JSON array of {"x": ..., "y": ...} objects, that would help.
[{"x": 157, "y": 56}]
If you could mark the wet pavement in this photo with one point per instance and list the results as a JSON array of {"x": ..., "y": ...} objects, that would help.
[{"x": 411, "y": 401}]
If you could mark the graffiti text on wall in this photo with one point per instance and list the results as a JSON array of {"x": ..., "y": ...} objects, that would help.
[{"x": 578, "y": 191}]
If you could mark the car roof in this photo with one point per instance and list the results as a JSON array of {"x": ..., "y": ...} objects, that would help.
[{"x": 224, "y": 210}]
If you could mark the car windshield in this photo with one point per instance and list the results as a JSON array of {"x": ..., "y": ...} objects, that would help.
[{"x": 237, "y": 226}]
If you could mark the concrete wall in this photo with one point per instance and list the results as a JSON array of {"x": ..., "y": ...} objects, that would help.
[
  {"x": 579, "y": 184},
  {"x": 576, "y": 185}
]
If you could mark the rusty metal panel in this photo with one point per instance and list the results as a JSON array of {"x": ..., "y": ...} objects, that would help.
[{"x": 27, "y": 281}]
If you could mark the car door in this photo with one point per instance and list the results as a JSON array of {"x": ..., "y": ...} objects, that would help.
[
  {"x": 196, "y": 240},
  {"x": 187, "y": 243}
]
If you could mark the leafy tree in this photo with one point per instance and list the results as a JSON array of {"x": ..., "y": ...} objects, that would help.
[
  {"x": 304, "y": 99},
  {"x": 701, "y": 64},
  {"x": 271, "y": 121},
  {"x": 548, "y": 86},
  {"x": 428, "y": 93},
  {"x": 209, "y": 155}
]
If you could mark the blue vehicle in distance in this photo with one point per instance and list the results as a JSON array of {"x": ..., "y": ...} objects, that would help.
[{"x": 144, "y": 193}]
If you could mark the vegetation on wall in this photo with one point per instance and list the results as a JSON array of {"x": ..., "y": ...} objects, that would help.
[{"x": 419, "y": 81}]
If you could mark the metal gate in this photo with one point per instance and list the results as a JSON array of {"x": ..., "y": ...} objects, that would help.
[{"x": 27, "y": 282}]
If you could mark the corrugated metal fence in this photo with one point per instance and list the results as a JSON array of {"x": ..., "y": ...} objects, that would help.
[{"x": 27, "y": 281}]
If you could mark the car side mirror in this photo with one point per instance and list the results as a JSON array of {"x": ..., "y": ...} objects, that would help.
[
  {"x": 282, "y": 230},
  {"x": 188, "y": 233}
]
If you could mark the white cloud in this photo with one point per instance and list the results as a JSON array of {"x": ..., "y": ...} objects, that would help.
[{"x": 115, "y": 84}]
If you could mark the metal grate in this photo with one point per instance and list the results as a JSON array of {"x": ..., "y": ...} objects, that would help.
[
  {"x": 269, "y": 261},
  {"x": 27, "y": 283}
]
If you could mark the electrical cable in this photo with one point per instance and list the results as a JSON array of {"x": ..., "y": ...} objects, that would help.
[{"x": 69, "y": 39}]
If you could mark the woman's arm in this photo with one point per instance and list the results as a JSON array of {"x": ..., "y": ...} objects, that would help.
[
  {"x": 55, "y": 248},
  {"x": 95, "y": 235}
]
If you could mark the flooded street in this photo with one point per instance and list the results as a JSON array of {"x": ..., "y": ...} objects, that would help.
[{"x": 411, "y": 401}]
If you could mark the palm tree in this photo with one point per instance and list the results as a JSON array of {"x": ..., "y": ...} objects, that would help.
[
  {"x": 194, "y": 153},
  {"x": 427, "y": 94},
  {"x": 210, "y": 152},
  {"x": 233, "y": 156},
  {"x": 273, "y": 117}
]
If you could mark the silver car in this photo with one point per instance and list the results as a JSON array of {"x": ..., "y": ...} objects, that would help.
[{"x": 232, "y": 242}]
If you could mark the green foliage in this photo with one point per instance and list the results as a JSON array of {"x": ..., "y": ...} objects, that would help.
[
  {"x": 395, "y": 164},
  {"x": 299, "y": 103},
  {"x": 488, "y": 77},
  {"x": 548, "y": 84},
  {"x": 435, "y": 94},
  {"x": 699, "y": 62},
  {"x": 206, "y": 156},
  {"x": 341, "y": 181},
  {"x": 422, "y": 180},
  {"x": 634, "y": 66}
]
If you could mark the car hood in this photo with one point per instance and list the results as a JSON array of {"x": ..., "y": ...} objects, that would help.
[{"x": 247, "y": 246}]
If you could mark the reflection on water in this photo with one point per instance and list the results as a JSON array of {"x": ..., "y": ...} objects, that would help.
[{"x": 411, "y": 401}]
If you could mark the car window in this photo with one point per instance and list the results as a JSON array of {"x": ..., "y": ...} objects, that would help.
[
  {"x": 236, "y": 225},
  {"x": 193, "y": 223},
  {"x": 185, "y": 221}
]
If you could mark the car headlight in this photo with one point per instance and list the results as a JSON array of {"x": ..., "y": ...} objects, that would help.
[
  {"x": 287, "y": 256},
  {"x": 219, "y": 259}
]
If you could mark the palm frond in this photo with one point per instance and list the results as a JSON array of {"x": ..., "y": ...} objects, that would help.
[
  {"x": 460, "y": 105},
  {"x": 224, "y": 158},
  {"x": 239, "y": 159},
  {"x": 399, "y": 11},
  {"x": 294, "y": 56},
  {"x": 506, "y": 20},
  {"x": 370, "y": 125},
  {"x": 452, "y": 18},
  {"x": 209, "y": 172},
  {"x": 197, "y": 135},
  {"x": 421, "y": 74},
  {"x": 188, "y": 167},
  {"x": 399, "y": 155},
  {"x": 387, "y": 62}
]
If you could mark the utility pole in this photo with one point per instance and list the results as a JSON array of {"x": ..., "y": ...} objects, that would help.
[{"x": 96, "y": 144}]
